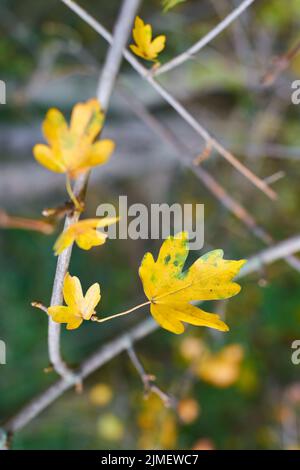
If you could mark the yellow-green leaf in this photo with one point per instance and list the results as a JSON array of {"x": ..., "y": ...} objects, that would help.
[
  {"x": 71, "y": 148},
  {"x": 144, "y": 46},
  {"x": 85, "y": 233},
  {"x": 171, "y": 290}
]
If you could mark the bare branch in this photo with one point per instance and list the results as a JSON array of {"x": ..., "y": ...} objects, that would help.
[
  {"x": 187, "y": 158},
  {"x": 181, "y": 58},
  {"x": 148, "y": 379},
  {"x": 179, "y": 108},
  {"x": 99, "y": 358},
  {"x": 105, "y": 88},
  {"x": 9, "y": 221},
  {"x": 269, "y": 255}
]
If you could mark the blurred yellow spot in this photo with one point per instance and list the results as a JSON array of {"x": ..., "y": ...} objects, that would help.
[
  {"x": 157, "y": 425},
  {"x": 191, "y": 348},
  {"x": 100, "y": 395},
  {"x": 223, "y": 368},
  {"x": 188, "y": 410}
]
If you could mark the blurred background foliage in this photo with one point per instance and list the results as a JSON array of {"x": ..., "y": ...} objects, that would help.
[{"x": 236, "y": 390}]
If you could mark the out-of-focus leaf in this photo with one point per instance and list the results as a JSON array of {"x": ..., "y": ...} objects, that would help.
[{"x": 169, "y": 4}]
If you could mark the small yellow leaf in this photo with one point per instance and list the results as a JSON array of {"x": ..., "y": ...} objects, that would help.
[
  {"x": 71, "y": 149},
  {"x": 171, "y": 290},
  {"x": 144, "y": 46},
  {"x": 78, "y": 307},
  {"x": 85, "y": 233}
]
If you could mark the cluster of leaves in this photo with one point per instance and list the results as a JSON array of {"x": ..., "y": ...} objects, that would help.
[
  {"x": 240, "y": 416},
  {"x": 170, "y": 290},
  {"x": 169, "y": 4}
]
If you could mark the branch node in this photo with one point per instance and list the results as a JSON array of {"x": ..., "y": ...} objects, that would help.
[{"x": 39, "y": 305}]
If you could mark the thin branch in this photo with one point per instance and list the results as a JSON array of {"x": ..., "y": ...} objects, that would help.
[
  {"x": 279, "y": 65},
  {"x": 105, "y": 88},
  {"x": 238, "y": 33},
  {"x": 148, "y": 379},
  {"x": 9, "y": 221},
  {"x": 120, "y": 344},
  {"x": 179, "y": 108},
  {"x": 205, "y": 40},
  {"x": 187, "y": 158},
  {"x": 99, "y": 358},
  {"x": 269, "y": 255}
]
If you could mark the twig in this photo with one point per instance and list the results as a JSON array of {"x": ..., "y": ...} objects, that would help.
[
  {"x": 205, "y": 40},
  {"x": 40, "y": 306},
  {"x": 186, "y": 157},
  {"x": 9, "y": 221},
  {"x": 178, "y": 107},
  {"x": 275, "y": 177},
  {"x": 105, "y": 87},
  {"x": 204, "y": 155},
  {"x": 279, "y": 65},
  {"x": 148, "y": 379},
  {"x": 115, "y": 347}
]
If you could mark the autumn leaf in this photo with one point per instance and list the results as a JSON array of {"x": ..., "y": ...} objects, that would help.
[
  {"x": 171, "y": 290},
  {"x": 84, "y": 233},
  {"x": 71, "y": 149},
  {"x": 78, "y": 307},
  {"x": 169, "y": 4},
  {"x": 9, "y": 221},
  {"x": 144, "y": 46}
]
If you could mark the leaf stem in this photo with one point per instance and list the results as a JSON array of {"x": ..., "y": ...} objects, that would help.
[
  {"x": 126, "y": 312},
  {"x": 70, "y": 192}
]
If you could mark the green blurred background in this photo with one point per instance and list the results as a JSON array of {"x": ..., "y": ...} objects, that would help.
[{"x": 237, "y": 390}]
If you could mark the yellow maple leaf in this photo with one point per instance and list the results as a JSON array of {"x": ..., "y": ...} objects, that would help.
[
  {"x": 170, "y": 289},
  {"x": 84, "y": 233},
  {"x": 145, "y": 47},
  {"x": 71, "y": 148},
  {"x": 78, "y": 307}
]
